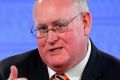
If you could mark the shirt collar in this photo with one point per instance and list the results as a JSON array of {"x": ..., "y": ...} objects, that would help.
[{"x": 76, "y": 72}]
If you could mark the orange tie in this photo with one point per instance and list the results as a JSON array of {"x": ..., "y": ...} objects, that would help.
[{"x": 58, "y": 76}]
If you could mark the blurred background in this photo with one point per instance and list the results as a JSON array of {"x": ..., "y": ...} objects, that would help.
[{"x": 16, "y": 19}]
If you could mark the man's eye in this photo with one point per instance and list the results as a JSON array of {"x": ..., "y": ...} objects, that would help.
[
  {"x": 60, "y": 25},
  {"x": 42, "y": 29}
]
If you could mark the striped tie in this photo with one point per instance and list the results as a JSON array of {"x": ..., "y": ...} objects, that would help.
[{"x": 59, "y": 77}]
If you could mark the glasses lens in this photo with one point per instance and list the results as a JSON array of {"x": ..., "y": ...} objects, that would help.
[
  {"x": 60, "y": 28},
  {"x": 39, "y": 33}
]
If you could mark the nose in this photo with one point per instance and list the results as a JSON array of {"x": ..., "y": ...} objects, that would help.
[{"x": 52, "y": 37}]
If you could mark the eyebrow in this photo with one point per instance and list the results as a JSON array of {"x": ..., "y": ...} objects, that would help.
[
  {"x": 39, "y": 25},
  {"x": 54, "y": 22},
  {"x": 58, "y": 21}
]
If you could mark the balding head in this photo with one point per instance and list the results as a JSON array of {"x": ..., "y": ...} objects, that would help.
[
  {"x": 45, "y": 9},
  {"x": 82, "y": 5}
]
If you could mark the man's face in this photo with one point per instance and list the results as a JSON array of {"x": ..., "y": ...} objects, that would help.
[{"x": 64, "y": 50}]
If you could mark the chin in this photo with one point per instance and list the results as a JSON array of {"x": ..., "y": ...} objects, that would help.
[
  {"x": 56, "y": 60},
  {"x": 59, "y": 66}
]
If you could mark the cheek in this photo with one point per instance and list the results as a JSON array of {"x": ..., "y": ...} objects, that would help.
[
  {"x": 69, "y": 42},
  {"x": 41, "y": 50},
  {"x": 41, "y": 46},
  {"x": 41, "y": 42},
  {"x": 73, "y": 40}
]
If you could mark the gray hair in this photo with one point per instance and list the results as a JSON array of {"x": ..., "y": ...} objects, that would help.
[{"x": 82, "y": 5}]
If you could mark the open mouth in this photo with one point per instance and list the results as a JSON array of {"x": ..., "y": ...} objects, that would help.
[{"x": 57, "y": 49}]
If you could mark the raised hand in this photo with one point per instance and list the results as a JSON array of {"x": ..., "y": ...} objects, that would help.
[{"x": 14, "y": 73}]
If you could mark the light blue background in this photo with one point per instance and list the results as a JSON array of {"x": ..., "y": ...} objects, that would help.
[{"x": 16, "y": 19}]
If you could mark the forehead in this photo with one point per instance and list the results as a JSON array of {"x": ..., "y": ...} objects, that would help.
[
  {"x": 51, "y": 9},
  {"x": 54, "y": 2}
]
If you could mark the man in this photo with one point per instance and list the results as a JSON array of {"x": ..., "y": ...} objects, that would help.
[{"x": 64, "y": 50}]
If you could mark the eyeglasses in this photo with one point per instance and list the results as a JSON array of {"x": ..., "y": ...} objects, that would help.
[{"x": 42, "y": 31}]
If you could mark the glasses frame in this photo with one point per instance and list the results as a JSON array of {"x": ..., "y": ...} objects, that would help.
[{"x": 32, "y": 28}]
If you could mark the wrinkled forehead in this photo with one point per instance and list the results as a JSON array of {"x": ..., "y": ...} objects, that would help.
[
  {"x": 44, "y": 5},
  {"x": 46, "y": 10}
]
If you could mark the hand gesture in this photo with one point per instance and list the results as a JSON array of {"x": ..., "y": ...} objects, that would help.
[{"x": 14, "y": 73}]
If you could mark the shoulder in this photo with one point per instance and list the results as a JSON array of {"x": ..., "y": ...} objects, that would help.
[
  {"x": 109, "y": 59},
  {"x": 104, "y": 63},
  {"x": 21, "y": 61},
  {"x": 110, "y": 65},
  {"x": 19, "y": 58},
  {"x": 104, "y": 58}
]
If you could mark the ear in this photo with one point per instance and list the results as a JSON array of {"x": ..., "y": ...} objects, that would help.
[{"x": 87, "y": 21}]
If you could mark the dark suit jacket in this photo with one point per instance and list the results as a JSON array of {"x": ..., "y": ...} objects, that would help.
[{"x": 100, "y": 66}]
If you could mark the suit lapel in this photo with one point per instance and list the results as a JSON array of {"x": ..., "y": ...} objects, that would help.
[
  {"x": 40, "y": 71},
  {"x": 92, "y": 70}
]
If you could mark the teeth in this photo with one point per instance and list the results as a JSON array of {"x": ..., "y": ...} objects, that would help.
[{"x": 56, "y": 50}]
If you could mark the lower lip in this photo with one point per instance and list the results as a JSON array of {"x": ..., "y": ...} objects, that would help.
[{"x": 55, "y": 52}]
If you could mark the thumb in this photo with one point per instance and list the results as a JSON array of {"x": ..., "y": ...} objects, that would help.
[{"x": 13, "y": 73}]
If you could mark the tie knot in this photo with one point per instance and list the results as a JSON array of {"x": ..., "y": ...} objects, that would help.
[{"x": 58, "y": 76}]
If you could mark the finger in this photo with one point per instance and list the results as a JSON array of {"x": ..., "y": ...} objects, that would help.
[{"x": 13, "y": 73}]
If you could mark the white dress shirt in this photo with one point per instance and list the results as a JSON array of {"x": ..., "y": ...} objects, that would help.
[{"x": 76, "y": 72}]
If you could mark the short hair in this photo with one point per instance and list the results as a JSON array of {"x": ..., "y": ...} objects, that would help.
[{"x": 82, "y": 5}]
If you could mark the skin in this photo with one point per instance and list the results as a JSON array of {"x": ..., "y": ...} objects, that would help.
[
  {"x": 14, "y": 73},
  {"x": 74, "y": 41}
]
